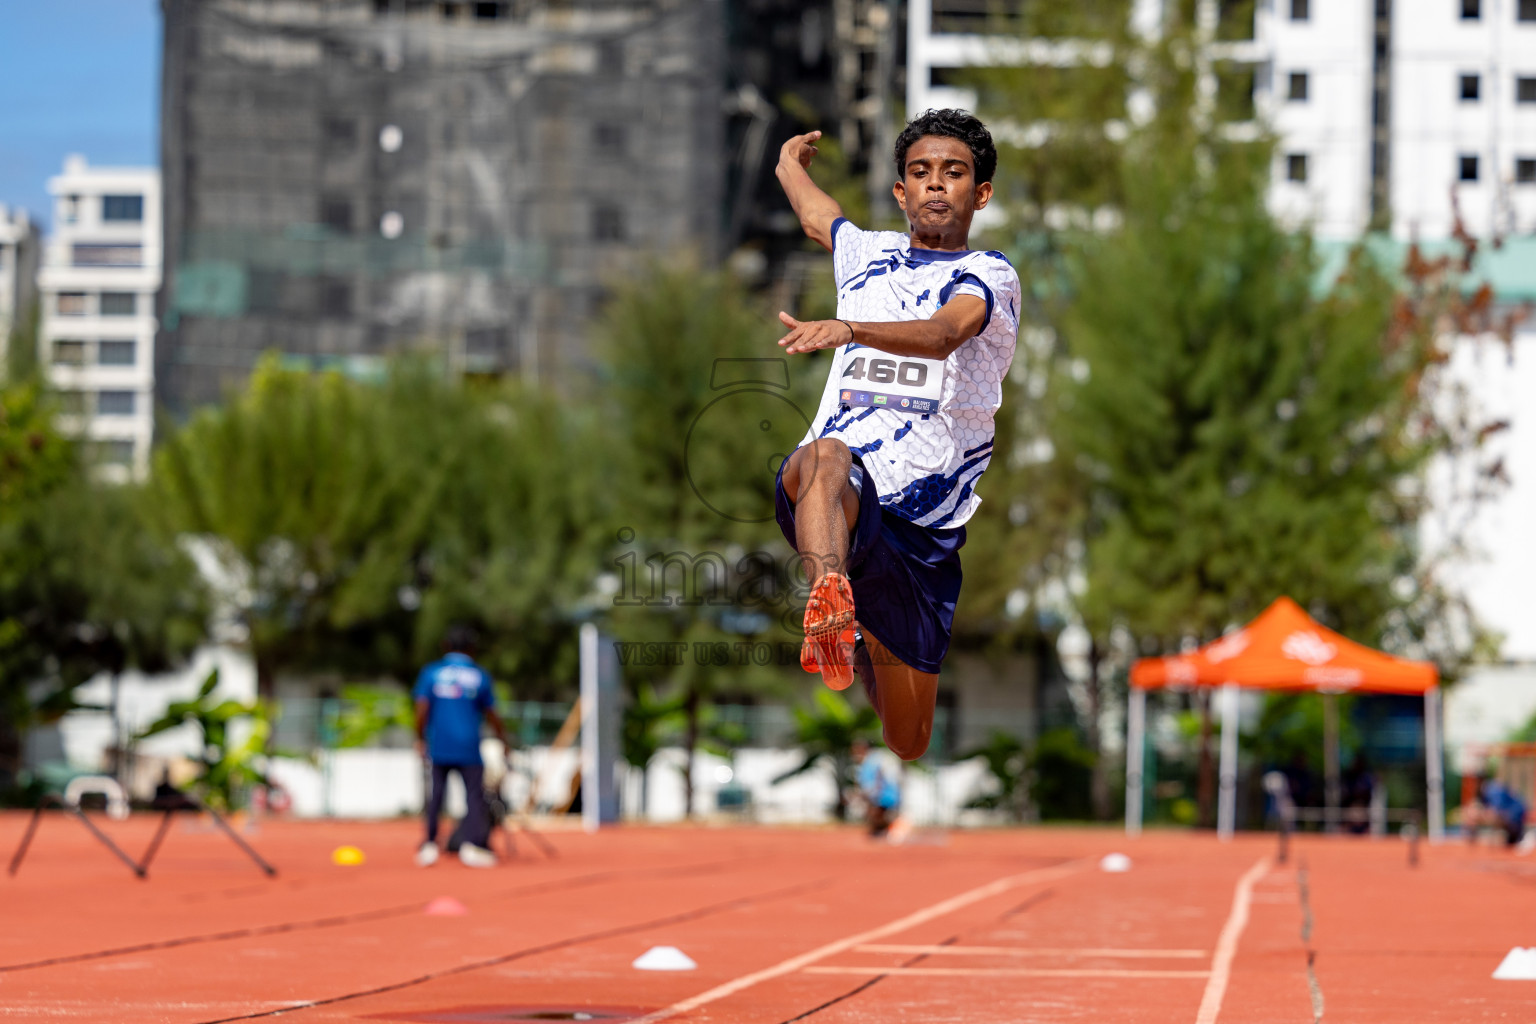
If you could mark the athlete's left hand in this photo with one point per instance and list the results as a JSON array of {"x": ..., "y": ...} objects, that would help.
[{"x": 810, "y": 335}]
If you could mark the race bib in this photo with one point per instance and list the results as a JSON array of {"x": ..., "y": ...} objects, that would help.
[{"x": 872, "y": 377}]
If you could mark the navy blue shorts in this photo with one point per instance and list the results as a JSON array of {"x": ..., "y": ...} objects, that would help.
[{"x": 906, "y": 578}]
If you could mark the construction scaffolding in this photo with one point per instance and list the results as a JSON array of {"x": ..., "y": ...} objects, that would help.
[{"x": 345, "y": 179}]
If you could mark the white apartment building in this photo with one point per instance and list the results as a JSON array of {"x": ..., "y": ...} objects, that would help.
[
  {"x": 1314, "y": 62},
  {"x": 1379, "y": 118},
  {"x": 18, "y": 272},
  {"x": 1463, "y": 116},
  {"x": 101, "y": 269}
]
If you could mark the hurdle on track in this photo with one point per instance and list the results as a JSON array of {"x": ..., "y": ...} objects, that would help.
[
  {"x": 139, "y": 867},
  {"x": 1332, "y": 817}
]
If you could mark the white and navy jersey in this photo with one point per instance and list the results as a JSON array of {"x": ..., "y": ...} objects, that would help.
[{"x": 922, "y": 427}]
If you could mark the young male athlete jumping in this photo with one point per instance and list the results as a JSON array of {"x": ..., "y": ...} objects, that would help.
[{"x": 876, "y": 497}]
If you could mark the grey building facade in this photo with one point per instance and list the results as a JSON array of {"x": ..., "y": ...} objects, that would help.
[
  {"x": 348, "y": 179},
  {"x": 20, "y": 248}
]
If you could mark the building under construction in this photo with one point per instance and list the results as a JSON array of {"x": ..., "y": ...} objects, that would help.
[{"x": 346, "y": 179}]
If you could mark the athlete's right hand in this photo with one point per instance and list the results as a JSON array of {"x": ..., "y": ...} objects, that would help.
[
  {"x": 812, "y": 335},
  {"x": 801, "y": 149}
]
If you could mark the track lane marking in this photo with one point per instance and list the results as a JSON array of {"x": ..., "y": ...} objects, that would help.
[
  {"x": 1129, "y": 954},
  {"x": 912, "y": 920},
  {"x": 1009, "y": 972},
  {"x": 1226, "y": 945},
  {"x": 532, "y": 889},
  {"x": 530, "y": 951}
]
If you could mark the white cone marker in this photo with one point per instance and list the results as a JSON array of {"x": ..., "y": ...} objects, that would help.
[
  {"x": 1115, "y": 863},
  {"x": 1519, "y": 965},
  {"x": 664, "y": 958}
]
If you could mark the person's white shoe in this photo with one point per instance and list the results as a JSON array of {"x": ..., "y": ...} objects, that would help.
[
  {"x": 427, "y": 855},
  {"x": 472, "y": 856}
]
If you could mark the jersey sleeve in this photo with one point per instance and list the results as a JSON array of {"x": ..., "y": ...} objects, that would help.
[
  {"x": 485, "y": 697},
  {"x": 423, "y": 688},
  {"x": 992, "y": 278},
  {"x": 849, "y": 245}
]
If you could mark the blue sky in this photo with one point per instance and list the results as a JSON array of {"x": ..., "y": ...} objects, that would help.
[{"x": 76, "y": 76}]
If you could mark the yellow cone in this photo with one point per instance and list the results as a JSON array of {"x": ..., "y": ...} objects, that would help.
[{"x": 347, "y": 856}]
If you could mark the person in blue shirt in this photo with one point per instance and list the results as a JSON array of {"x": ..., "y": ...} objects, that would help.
[
  {"x": 1501, "y": 807},
  {"x": 881, "y": 794},
  {"x": 452, "y": 696}
]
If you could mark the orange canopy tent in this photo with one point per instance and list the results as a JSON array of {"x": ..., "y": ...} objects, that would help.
[{"x": 1283, "y": 649}]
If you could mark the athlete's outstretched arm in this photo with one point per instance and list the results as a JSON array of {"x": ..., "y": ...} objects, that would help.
[
  {"x": 816, "y": 210},
  {"x": 952, "y": 325}
]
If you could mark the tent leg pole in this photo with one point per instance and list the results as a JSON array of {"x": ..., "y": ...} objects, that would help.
[
  {"x": 1434, "y": 767},
  {"x": 1330, "y": 762},
  {"x": 1226, "y": 804},
  {"x": 1135, "y": 740}
]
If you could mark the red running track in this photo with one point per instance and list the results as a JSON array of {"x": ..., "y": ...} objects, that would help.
[{"x": 785, "y": 925}]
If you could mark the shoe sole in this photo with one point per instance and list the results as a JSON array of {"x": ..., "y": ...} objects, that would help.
[{"x": 828, "y": 646}]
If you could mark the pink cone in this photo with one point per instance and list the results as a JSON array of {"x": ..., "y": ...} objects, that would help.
[{"x": 446, "y": 906}]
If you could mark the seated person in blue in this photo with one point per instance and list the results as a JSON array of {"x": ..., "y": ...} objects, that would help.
[
  {"x": 1499, "y": 806},
  {"x": 882, "y": 796},
  {"x": 452, "y": 695}
]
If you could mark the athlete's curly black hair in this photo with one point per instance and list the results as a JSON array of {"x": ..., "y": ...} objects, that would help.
[{"x": 954, "y": 124}]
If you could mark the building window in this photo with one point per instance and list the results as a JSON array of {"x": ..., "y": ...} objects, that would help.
[
  {"x": 1525, "y": 90},
  {"x": 1466, "y": 168},
  {"x": 1525, "y": 170},
  {"x": 1301, "y": 10},
  {"x": 114, "y": 453},
  {"x": 1527, "y": 11},
  {"x": 1298, "y": 90},
  {"x": 96, "y": 254},
  {"x": 71, "y": 403},
  {"x": 72, "y": 304},
  {"x": 68, "y": 353},
  {"x": 116, "y": 353},
  {"x": 1471, "y": 10},
  {"x": 341, "y": 132},
  {"x": 336, "y": 214},
  {"x": 1471, "y": 88},
  {"x": 490, "y": 11},
  {"x": 1296, "y": 167},
  {"x": 608, "y": 138},
  {"x": 115, "y": 403},
  {"x": 607, "y": 224},
  {"x": 336, "y": 299},
  {"x": 119, "y": 303},
  {"x": 123, "y": 208}
]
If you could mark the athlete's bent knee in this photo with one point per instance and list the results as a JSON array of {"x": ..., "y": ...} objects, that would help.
[
  {"x": 829, "y": 460},
  {"x": 909, "y": 743}
]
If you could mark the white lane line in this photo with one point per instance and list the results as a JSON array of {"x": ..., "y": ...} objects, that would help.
[
  {"x": 912, "y": 920},
  {"x": 1226, "y": 945},
  {"x": 1128, "y": 954},
  {"x": 1007, "y": 972}
]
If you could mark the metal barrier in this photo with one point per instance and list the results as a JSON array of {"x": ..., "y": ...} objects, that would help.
[{"x": 1377, "y": 817}]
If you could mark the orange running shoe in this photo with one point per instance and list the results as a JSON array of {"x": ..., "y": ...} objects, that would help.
[{"x": 828, "y": 646}]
